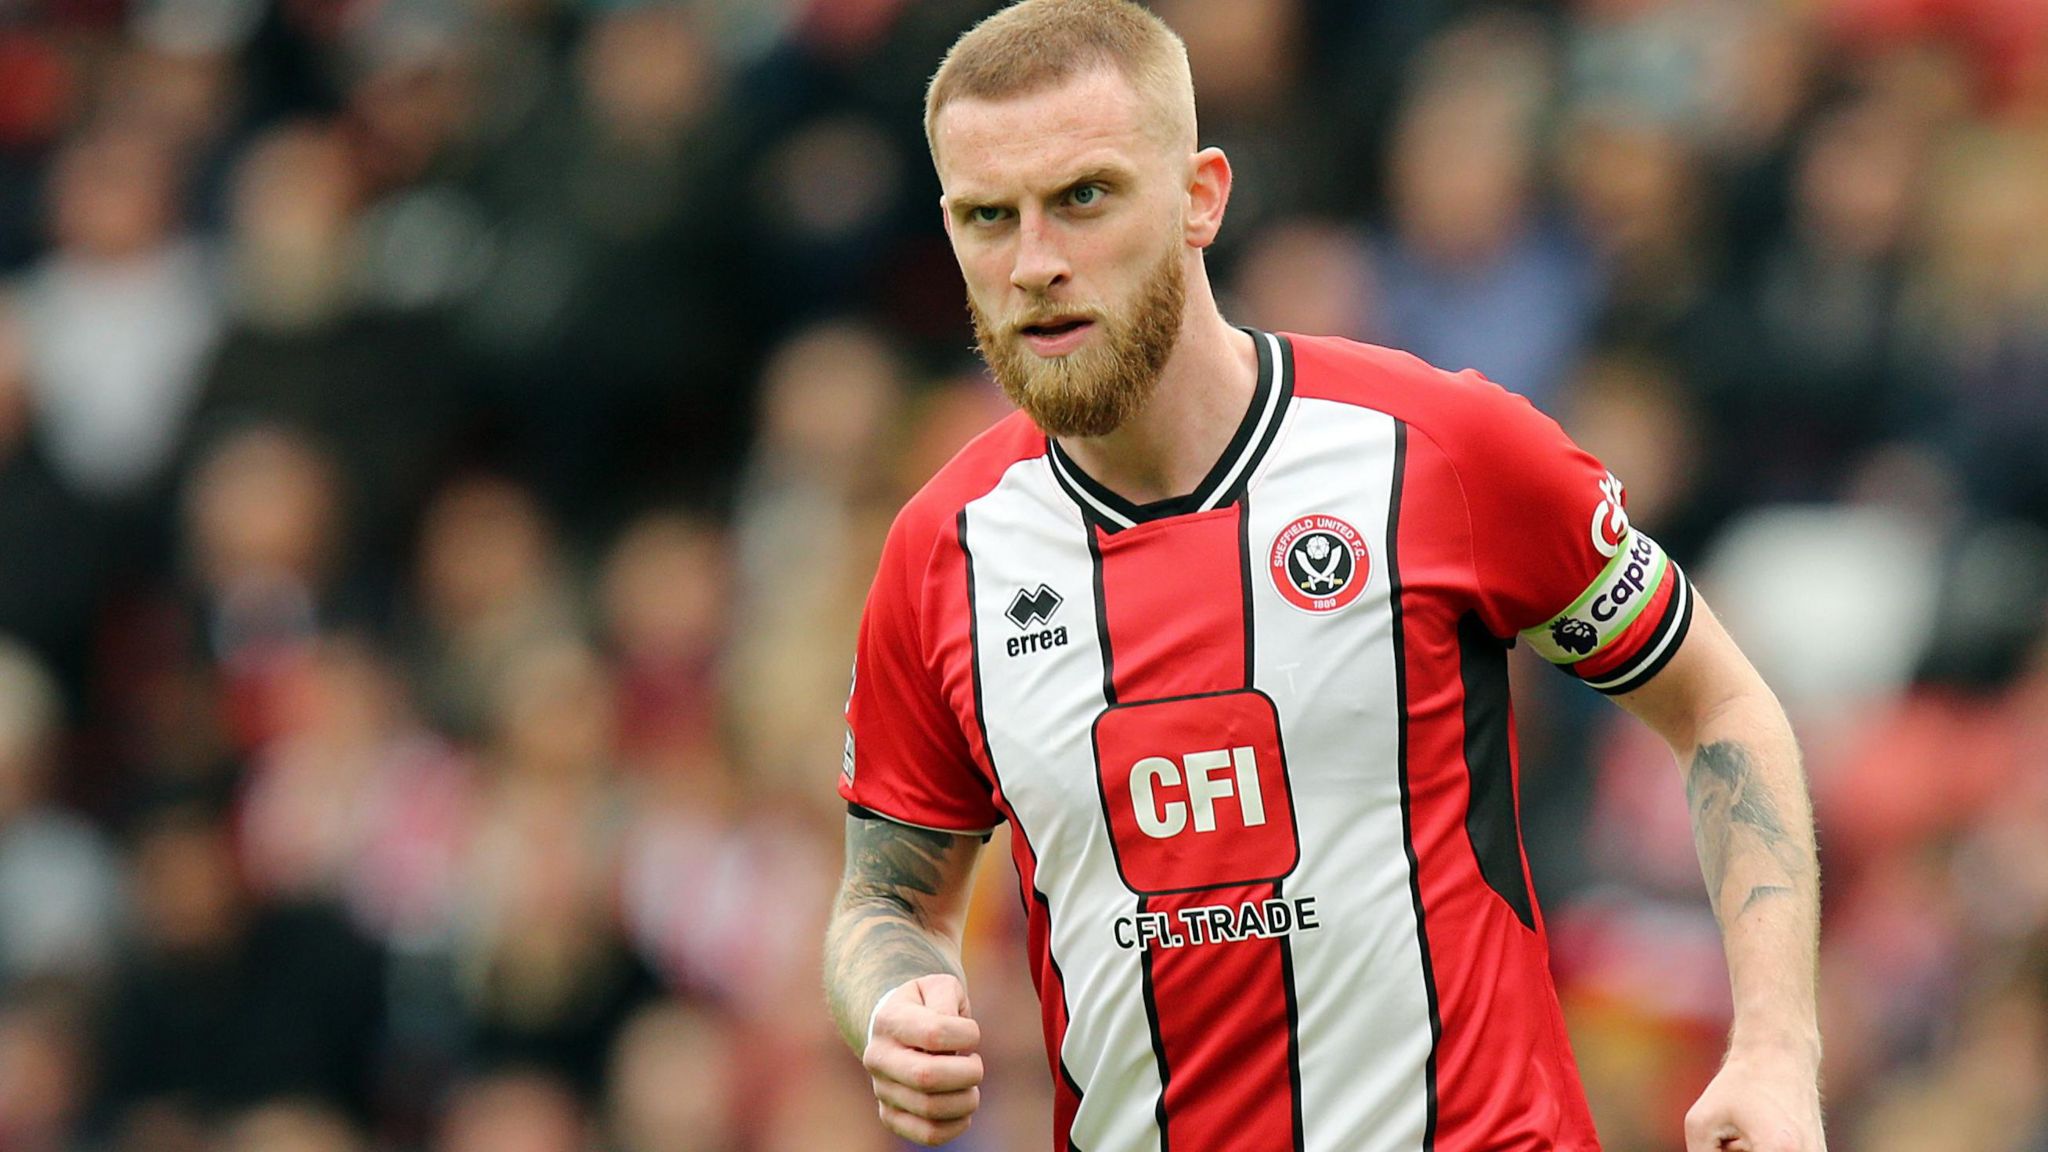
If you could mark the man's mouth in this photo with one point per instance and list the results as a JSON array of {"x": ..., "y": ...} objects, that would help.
[
  {"x": 1057, "y": 335},
  {"x": 1055, "y": 327}
]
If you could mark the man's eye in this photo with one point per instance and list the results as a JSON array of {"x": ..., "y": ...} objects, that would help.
[
  {"x": 1085, "y": 195},
  {"x": 984, "y": 214}
]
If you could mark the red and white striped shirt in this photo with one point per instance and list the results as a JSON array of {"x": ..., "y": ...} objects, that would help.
[{"x": 1256, "y": 751}]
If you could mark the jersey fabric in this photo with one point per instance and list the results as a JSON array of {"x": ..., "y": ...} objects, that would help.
[{"x": 1255, "y": 748}]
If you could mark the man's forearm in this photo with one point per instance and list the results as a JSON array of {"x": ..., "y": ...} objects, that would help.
[
  {"x": 873, "y": 945},
  {"x": 898, "y": 915},
  {"x": 1753, "y": 826}
]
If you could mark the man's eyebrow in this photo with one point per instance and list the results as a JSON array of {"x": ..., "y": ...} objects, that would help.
[
  {"x": 961, "y": 206},
  {"x": 1101, "y": 174},
  {"x": 1112, "y": 174}
]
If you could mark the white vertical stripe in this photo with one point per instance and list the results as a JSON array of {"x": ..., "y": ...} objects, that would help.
[
  {"x": 1362, "y": 1004},
  {"x": 1039, "y": 708}
]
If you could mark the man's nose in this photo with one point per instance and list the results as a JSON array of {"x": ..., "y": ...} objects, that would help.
[{"x": 1041, "y": 265}]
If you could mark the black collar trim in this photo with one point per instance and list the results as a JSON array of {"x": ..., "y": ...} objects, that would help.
[{"x": 1226, "y": 480}]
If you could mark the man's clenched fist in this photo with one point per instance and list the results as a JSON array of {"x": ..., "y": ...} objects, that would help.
[{"x": 921, "y": 1054}]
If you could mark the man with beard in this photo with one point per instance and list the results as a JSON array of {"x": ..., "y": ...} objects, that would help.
[{"x": 1218, "y": 623}]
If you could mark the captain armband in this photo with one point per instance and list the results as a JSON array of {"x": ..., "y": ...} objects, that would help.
[{"x": 1626, "y": 625}]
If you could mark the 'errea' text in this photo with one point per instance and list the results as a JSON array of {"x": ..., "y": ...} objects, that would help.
[{"x": 1038, "y": 641}]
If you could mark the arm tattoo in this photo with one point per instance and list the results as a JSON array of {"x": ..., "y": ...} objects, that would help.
[
  {"x": 882, "y": 933},
  {"x": 884, "y": 858},
  {"x": 1763, "y": 892},
  {"x": 1731, "y": 812}
]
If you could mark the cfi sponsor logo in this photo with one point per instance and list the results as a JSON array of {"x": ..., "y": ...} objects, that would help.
[
  {"x": 1319, "y": 564},
  {"x": 1610, "y": 519}
]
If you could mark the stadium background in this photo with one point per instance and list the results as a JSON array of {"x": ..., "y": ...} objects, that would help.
[{"x": 444, "y": 445}]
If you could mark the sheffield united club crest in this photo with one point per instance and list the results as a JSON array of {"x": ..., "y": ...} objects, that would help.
[{"x": 1319, "y": 563}]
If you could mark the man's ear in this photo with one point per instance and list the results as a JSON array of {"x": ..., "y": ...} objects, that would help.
[
  {"x": 945, "y": 216},
  {"x": 1208, "y": 196}
]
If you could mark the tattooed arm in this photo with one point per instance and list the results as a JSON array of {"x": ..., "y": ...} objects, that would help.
[
  {"x": 1753, "y": 826},
  {"x": 896, "y": 926}
]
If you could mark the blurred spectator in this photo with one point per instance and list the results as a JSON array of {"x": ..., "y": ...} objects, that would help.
[
  {"x": 1631, "y": 410},
  {"x": 352, "y": 802},
  {"x": 814, "y": 499},
  {"x": 413, "y": 108},
  {"x": 546, "y": 976},
  {"x": 1986, "y": 1088},
  {"x": 49, "y": 593},
  {"x": 120, "y": 315},
  {"x": 831, "y": 187},
  {"x": 1472, "y": 274},
  {"x": 664, "y": 591},
  {"x": 178, "y": 84},
  {"x": 613, "y": 310},
  {"x": 229, "y": 1000},
  {"x": 60, "y": 884},
  {"x": 45, "y": 1066},
  {"x": 1312, "y": 277},
  {"x": 306, "y": 349},
  {"x": 267, "y": 556},
  {"x": 288, "y": 1125},
  {"x": 1632, "y": 190},
  {"x": 2005, "y": 46},
  {"x": 1247, "y": 59},
  {"x": 950, "y": 413},
  {"x": 675, "y": 1083},
  {"x": 728, "y": 898},
  {"x": 814, "y": 1106},
  {"x": 490, "y": 584},
  {"x": 43, "y": 91},
  {"x": 1976, "y": 321},
  {"x": 1822, "y": 370},
  {"x": 514, "y": 1111}
]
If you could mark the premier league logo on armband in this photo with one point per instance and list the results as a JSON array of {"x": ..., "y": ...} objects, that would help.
[
  {"x": 1319, "y": 563},
  {"x": 1574, "y": 635}
]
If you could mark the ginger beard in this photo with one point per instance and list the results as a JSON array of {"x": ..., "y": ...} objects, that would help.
[{"x": 1094, "y": 389}]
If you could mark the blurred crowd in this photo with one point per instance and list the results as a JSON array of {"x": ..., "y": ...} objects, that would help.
[{"x": 444, "y": 445}]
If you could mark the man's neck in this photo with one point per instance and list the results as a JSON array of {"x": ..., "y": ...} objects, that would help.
[{"x": 1169, "y": 446}]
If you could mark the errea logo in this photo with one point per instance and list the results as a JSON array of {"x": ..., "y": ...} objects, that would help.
[
  {"x": 1035, "y": 609},
  {"x": 1028, "y": 608}
]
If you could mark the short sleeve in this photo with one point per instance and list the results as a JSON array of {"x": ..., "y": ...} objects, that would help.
[
  {"x": 906, "y": 756},
  {"x": 1555, "y": 558}
]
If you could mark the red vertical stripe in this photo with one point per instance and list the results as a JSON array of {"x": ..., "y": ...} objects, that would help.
[
  {"x": 1504, "y": 1079},
  {"x": 1224, "y": 1024},
  {"x": 1175, "y": 613},
  {"x": 1174, "y": 594},
  {"x": 1050, "y": 984}
]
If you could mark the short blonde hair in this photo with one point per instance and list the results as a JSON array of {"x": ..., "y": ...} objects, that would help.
[{"x": 1034, "y": 45}]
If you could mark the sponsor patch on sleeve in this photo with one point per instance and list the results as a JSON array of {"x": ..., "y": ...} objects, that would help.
[
  {"x": 1608, "y": 607},
  {"x": 846, "y": 757}
]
